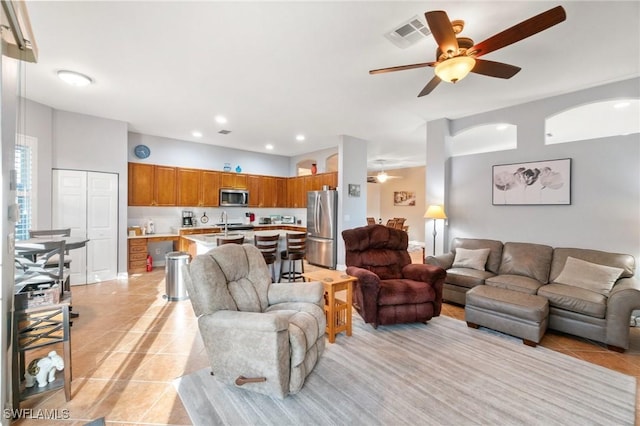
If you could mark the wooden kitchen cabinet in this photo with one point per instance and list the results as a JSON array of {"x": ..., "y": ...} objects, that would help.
[
  {"x": 197, "y": 187},
  {"x": 233, "y": 180},
  {"x": 210, "y": 188},
  {"x": 268, "y": 194},
  {"x": 189, "y": 187},
  {"x": 165, "y": 190},
  {"x": 256, "y": 191},
  {"x": 152, "y": 185},
  {"x": 281, "y": 192},
  {"x": 297, "y": 194},
  {"x": 137, "y": 255}
]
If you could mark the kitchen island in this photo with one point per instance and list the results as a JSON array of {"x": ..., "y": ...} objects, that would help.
[
  {"x": 196, "y": 240},
  {"x": 202, "y": 243}
]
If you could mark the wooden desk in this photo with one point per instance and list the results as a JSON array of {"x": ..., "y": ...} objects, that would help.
[{"x": 337, "y": 312}]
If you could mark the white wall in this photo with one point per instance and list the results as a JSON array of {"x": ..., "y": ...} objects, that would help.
[
  {"x": 9, "y": 86},
  {"x": 409, "y": 179},
  {"x": 173, "y": 152},
  {"x": 320, "y": 158},
  {"x": 605, "y": 190},
  {"x": 352, "y": 211},
  {"x": 373, "y": 201}
]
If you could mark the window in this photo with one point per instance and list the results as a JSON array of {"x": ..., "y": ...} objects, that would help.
[{"x": 25, "y": 165}]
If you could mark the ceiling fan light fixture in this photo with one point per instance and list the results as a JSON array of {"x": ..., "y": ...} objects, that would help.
[
  {"x": 455, "y": 69},
  {"x": 382, "y": 177}
]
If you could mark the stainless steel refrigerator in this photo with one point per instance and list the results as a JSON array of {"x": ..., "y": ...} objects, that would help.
[{"x": 322, "y": 227}]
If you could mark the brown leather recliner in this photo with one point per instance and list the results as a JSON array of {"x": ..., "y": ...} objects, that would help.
[{"x": 390, "y": 289}]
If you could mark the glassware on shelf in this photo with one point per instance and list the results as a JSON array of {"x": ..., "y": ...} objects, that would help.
[{"x": 227, "y": 167}]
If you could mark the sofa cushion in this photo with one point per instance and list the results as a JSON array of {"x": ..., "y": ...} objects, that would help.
[
  {"x": 526, "y": 259},
  {"x": 518, "y": 283},
  {"x": 575, "y": 299},
  {"x": 465, "y": 277},
  {"x": 617, "y": 260},
  {"x": 474, "y": 259},
  {"x": 587, "y": 275},
  {"x": 493, "y": 261}
]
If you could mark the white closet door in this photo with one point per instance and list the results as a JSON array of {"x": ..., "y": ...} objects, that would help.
[
  {"x": 70, "y": 211},
  {"x": 102, "y": 226},
  {"x": 87, "y": 202}
]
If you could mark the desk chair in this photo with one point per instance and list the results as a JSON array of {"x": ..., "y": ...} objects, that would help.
[
  {"x": 232, "y": 240},
  {"x": 268, "y": 246},
  {"x": 296, "y": 245}
]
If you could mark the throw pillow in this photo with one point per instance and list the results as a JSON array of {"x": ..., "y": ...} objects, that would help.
[
  {"x": 474, "y": 259},
  {"x": 587, "y": 275}
]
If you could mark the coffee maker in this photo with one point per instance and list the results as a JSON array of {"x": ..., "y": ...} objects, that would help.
[{"x": 187, "y": 218}]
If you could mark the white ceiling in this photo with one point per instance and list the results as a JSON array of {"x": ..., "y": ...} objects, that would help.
[{"x": 276, "y": 69}]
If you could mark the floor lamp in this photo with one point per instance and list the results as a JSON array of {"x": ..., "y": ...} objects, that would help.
[{"x": 435, "y": 212}]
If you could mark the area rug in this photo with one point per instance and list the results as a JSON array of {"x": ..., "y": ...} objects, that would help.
[{"x": 443, "y": 373}]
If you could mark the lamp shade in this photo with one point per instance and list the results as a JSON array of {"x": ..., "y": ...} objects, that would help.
[
  {"x": 455, "y": 69},
  {"x": 435, "y": 212}
]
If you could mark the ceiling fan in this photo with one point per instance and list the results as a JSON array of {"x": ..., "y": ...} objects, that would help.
[
  {"x": 457, "y": 56},
  {"x": 381, "y": 176}
]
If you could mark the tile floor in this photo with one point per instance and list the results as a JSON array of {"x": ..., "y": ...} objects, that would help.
[{"x": 129, "y": 344}]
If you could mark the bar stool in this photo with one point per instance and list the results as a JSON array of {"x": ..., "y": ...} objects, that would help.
[
  {"x": 232, "y": 240},
  {"x": 268, "y": 246},
  {"x": 295, "y": 251}
]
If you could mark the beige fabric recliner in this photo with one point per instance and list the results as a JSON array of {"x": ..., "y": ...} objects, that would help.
[{"x": 262, "y": 336}]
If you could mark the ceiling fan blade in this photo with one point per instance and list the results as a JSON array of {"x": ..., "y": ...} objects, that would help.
[
  {"x": 402, "y": 67},
  {"x": 430, "y": 86},
  {"x": 442, "y": 31},
  {"x": 520, "y": 31},
  {"x": 495, "y": 69}
]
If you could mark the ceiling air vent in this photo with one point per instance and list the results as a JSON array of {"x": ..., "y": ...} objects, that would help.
[
  {"x": 408, "y": 33},
  {"x": 224, "y": 132}
]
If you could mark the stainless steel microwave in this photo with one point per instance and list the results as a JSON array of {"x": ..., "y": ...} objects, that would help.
[{"x": 230, "y": 197}]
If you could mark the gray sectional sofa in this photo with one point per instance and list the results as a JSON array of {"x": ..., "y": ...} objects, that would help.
[{"x": 591, "y": 293}]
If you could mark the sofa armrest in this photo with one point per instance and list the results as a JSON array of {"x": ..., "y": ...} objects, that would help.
[
  {"x": 311, "y": 292},
  {"x": 624, "y": 298},
  {"x": 238, "y": 320},
  {"x": 445, "y": 261}
]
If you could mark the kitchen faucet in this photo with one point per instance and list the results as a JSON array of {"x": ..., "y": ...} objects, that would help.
[{"x": 224, "y": 218}]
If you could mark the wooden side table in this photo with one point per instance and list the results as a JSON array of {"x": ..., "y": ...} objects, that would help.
[{"x": 337, "y": 312}]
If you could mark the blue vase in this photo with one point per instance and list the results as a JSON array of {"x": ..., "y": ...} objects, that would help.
[{"x": 238, "y": 169}]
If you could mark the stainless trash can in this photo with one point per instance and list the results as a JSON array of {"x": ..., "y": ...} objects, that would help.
[{"x": 175, "y": 261}]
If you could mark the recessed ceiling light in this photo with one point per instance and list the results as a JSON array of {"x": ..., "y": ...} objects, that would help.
[
  {"x": 300, "y": 138},
  {"x": 269, "y": 146},
  {"x": 622, "y": 105},
  {"x": 220, "y": 119},
  {"x": 196, "y": 134},
  {"x": 74, "y": 78}
]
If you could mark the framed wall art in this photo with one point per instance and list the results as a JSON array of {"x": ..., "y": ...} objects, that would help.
[
  {"x": 354, "y": 190},
  {"x": 533, "y": 183},
  {"x": 404, "y": 198}
]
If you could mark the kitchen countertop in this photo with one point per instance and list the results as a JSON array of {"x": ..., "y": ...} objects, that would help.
[
  {"x": 263, "y": 229},
  {"x": 163, "y": 235}
]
